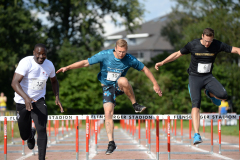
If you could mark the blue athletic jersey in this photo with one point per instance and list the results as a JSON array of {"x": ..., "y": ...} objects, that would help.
[{"x": 108, "y": 63}]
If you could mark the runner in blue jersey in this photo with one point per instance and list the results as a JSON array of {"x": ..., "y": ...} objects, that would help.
[
  {"x": 114, "y": 64},
  {"x": 203, "y": 53}
]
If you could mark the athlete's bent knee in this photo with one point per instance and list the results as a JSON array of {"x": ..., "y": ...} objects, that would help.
[
  {"x": 222, "y": 95},
  {"x": 122, "y": 81}
]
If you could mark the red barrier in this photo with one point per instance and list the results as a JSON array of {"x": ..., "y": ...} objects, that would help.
[
  {"x": 149, "y": 136},
  {"x": 212, "y": 134},
  {"x": 152, "y": 124},
  {"x": 77, "y": 140},
  {"x": 95, "y": 130},
  {"x": 33, "y": 125},
  {"x": 175, "y": 126},
  {"x": 146, "y": 128},
  {"x": 190, "y": 128},
  {"x": 57, "y": 126},
  {"x": 49, "y": 128},
  {"x": 168, "y": 133},
  {"x": 62, "y": 128},
  {"x": 87, "y": 134},
  {"x": 133, "y": 128},
  {"x": 219, "y": 130},
  {"x": 139, "y": 130},
  {"x": 12, "y": 130},
  {"x": 203, "y": 127},
  {"x": 182, "y": 129},
  {"x": 5, "y": 136},
  {"x": 157, "y": 135},
  {"x": 67, "y": 125}
]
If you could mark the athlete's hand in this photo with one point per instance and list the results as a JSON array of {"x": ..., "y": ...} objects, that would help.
[
  {"x": 159, "y": 64},
  {"x": 63, "y": 69},
  {"x": 28, "y": 103},
  {"x": 157, "y": 90},
  {"x": 57, "y": 101}
]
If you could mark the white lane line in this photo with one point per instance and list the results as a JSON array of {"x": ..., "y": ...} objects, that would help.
[
  {"x": 31, "y": 153},
  {"x": 202, "y": 150},
  {"x": 151, "y": 155}
]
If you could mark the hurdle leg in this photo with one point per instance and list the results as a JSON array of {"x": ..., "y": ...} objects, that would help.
[
  {"x": 182, "y": 129},
  {"x": 157, "y": 138},
  {"x": 149, "y": 137},
  {"x": 146, "y": 127},
  {"x": 139, "y": 132},
  {"x": 211, "y": 136},
  {"x": 168, "y": 137},
  {"x": 77, "y": 140},
  {"x": 219, "y": 135},
  {"x": 23, "y": 149},
  {"x": 5, "y": 138}
]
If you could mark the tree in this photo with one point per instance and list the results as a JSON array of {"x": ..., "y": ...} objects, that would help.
[
  {"x": 19, "y": 31},
  {"x": 76, "y": 33},
  {"x": 190, "y": 17}
]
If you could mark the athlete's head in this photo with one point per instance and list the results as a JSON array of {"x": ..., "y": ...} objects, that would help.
[
  {"x": 207, "y": 37},
  {"x": 40, "y": 53},
  {"x": 121, "y": 48}
]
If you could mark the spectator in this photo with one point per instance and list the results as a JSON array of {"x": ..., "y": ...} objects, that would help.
[{"x": 3, "y": 101}]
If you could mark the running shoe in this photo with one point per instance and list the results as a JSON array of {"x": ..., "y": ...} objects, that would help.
[
  {"x": 31, "y": 141},
  {"x": 197, "y": 139},
  {"x": 111, "y": 147},
  {"x": 138, "y": 108},
  {"x": 214, "y": 100}
]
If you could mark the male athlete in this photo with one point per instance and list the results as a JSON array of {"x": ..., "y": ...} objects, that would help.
[
  {"x": 203, "y": 53},
  {"x": 29, "y": 84},
  {"x": 114, "y": 64}
]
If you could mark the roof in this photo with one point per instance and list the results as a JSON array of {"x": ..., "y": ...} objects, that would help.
[{"x": 154, "y": 40}]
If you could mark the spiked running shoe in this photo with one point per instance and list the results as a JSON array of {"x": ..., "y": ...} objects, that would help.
[
  {"x": 138, "y": 108},
  {"x": 197, "y": 139},
  {"x": 214, "y": 100},
  {"x": 31, "y": 141},
  {"x": 111, "y": 148}
]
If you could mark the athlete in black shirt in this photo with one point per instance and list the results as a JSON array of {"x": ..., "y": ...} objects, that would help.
[{"x": 203, "y": 53}]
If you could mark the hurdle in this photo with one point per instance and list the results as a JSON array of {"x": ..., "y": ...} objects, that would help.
[{"x": 131, "y": 127}]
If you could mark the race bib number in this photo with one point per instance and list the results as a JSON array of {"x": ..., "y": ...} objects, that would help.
[
  {"x": 113, "y": 76},
  {"x": 204, "y": 68},
  {"x": 38, "y": 84}
]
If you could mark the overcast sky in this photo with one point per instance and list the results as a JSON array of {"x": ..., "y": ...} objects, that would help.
[{"x": 155, "y": 8}]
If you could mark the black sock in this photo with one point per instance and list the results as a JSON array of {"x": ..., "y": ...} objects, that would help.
[
  {"x": 135, "y": 104},
  {"x": 112, "y": 142}
]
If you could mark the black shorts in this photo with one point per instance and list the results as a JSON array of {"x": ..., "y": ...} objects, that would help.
[
  {"x": 110, "y": 93},
  {"x": 209, "y": 82}
]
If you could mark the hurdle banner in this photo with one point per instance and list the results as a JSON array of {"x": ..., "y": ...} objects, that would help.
[
  {"x": 132, "y": 128},
  {"x": 129, "y": 116}
]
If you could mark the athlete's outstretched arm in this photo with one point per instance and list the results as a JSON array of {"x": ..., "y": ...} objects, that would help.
[
  {"x": 151, "y": 77},
  {"x": 235, "y": 50},
  {"x": 80, "y": 64},
  {"x": 170, "y": 58}
]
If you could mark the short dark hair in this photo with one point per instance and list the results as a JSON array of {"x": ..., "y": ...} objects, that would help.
[
  {"x": 40, "y": 45},
  {"x": 208, "y": 32},
  {"x": 121, "y": 43}
]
